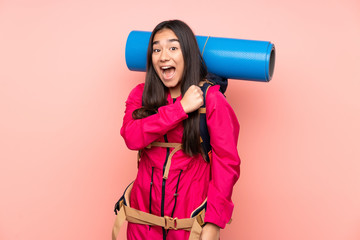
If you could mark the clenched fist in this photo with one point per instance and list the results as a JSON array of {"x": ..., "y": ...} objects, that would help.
[{"x": 193, "y": 99}]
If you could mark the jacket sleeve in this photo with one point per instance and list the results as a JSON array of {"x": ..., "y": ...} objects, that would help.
[
  {"x": 225, "y": 164},
  {"x": 140, "y": 133}
]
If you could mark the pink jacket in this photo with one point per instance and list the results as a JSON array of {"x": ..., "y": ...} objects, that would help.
[{"x": 190, "y": 179}]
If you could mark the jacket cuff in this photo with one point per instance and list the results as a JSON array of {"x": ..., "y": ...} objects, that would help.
[
  {"x": 180, "y": 110},
  {"x": 219, "y": 214},
  {"x": 173, "y": 113}
]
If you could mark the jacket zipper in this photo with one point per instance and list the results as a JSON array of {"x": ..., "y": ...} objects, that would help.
[{"x": 151, "y": 184}]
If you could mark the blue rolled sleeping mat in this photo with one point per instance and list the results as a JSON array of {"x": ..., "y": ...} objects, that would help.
[{"x": 225, "y": 57}]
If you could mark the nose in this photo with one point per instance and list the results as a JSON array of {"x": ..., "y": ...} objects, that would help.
[{"x": 164, "y": 56}]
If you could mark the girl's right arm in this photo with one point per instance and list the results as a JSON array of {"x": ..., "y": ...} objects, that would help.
[{"x": 140, "y": 133}]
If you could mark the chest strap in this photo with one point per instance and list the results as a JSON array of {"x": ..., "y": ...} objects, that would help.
[{"x": 176, "y": 146}]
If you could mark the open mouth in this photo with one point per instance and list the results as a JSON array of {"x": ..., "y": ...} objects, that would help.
[{"x": 168, "y": 72}]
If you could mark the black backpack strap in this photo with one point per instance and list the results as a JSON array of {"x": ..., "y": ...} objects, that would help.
[
  {"x": 204, "y": 132},
  {"x": 123, "y": 198}
]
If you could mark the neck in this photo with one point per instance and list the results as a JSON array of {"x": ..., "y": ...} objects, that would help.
[{"x": 175, "y": 92}]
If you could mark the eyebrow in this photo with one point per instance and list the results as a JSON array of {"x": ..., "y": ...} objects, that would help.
[{"x": 169, "y": 40}]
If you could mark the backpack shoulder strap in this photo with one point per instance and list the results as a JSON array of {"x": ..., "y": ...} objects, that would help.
[{"x": 204, "y": 132}]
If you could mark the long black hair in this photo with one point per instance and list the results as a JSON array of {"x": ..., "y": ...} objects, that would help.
[{"x": 155, "y": 92}]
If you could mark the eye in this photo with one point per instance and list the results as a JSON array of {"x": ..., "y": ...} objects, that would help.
[
  {"x": 156, "y": 50},
  {"x": 173, "y": 48}
]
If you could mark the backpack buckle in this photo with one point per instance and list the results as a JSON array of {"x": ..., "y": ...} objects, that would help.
[{"x": 170, "y": 223}]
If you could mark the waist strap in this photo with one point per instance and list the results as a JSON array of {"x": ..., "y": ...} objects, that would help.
[{"x": 136, "y": 216}]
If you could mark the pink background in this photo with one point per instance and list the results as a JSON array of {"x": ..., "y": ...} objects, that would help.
[{"x": 64, "y": 82}]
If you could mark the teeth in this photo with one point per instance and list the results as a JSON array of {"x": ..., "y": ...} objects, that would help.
[{"x": 167, "y": 67}]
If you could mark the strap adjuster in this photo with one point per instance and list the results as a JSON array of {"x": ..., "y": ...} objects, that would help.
[{"x": 170, "y": 223}]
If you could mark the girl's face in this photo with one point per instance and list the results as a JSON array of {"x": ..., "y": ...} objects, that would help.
[{"x": 168, "y": 60}]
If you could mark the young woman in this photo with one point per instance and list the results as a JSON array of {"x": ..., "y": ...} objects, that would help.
[{"x": 165, "y": 109}]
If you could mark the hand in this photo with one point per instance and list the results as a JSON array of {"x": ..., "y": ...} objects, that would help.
[
  {"x": 210, "y": 232},
  {"x": 193, "y": 99}
]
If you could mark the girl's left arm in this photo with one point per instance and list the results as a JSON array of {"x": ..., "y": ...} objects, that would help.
[{"x": 225, "y": 164}]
